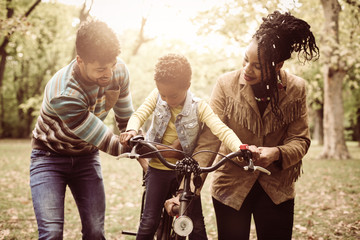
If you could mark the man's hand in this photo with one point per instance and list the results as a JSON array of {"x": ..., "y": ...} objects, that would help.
[
  {"x": 126, "y": 136},
  {"x": 170, "y": 203}
]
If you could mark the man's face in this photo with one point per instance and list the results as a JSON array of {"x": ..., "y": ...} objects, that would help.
[{"x": 96, "y": 72}]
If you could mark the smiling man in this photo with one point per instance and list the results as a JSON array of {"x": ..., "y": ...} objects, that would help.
[{"x": 70, "y": 132}]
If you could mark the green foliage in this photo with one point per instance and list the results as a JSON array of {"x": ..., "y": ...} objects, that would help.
[
  {"x": 238, "y": 19},
  {"x": 44, "y": 43},
  {"x": 142, "y": 65},
  {"x": 35, "y": 53},
  {"x": 326, "y": 204}
]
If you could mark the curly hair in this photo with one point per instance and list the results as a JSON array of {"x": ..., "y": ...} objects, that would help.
[
  {"x": 173, "y": 69},
  {"x": 278, "y": 36},
  {"x": 95, "y": 41}
]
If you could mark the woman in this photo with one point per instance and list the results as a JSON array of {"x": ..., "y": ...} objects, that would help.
[{"x": 266, "y": 107}]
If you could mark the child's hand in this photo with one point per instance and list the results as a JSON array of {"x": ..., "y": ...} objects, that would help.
[
  {"x": 170, "y": 203},
  {"x": 126, "y": 136}
]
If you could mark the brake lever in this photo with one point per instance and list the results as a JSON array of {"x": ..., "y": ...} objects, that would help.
[
  {"x": 128, "y": 155},
  {"x": 261, "y": 169},
  {"x": 251, "y": 167},
  {"x": 131, "y": 154}
]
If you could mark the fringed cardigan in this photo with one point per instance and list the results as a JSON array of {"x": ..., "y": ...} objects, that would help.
[{"x": 233, "y": 100}]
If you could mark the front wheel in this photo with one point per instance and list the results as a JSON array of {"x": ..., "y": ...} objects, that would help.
[
  {"x": 183, "y": 226},
  {"x": 164, "y": 231}
]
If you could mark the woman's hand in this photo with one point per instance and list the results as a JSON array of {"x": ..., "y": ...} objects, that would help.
[
  {"x": 268, "y": 155},
  {"x": 255, "y": 152}
]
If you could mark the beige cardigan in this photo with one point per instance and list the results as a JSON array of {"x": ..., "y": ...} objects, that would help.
[{"x": 233, "y": 100}]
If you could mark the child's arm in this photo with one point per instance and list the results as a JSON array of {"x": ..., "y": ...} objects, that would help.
[
  {"x": 143, "y": 112},
  {"x": 217, "y": 127}
]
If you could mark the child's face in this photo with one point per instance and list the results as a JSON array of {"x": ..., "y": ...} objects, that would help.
[{"x": 172, "y": 94}]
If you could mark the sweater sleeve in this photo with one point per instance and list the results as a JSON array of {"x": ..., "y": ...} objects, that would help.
[
  {"x": 143, "y": 112},
  {"x": 123, "y": 108},
  {"x": 217, "y": 127}
]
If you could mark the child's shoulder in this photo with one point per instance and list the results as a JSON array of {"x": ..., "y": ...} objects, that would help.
[{"x": 194, "y": 98}]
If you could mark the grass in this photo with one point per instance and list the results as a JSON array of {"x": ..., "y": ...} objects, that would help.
[{"x": 327, "y": 204}]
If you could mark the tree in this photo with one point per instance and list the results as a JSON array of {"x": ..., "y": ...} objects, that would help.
[
  {"x": 84, "y": 15},
  {"x": 33, "y": 56},
  {"x": 10, "y": 15},
  {"x": 334, "y": 73}
]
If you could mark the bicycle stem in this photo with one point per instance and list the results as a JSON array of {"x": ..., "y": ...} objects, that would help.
[{"x": 186, "y": 194}]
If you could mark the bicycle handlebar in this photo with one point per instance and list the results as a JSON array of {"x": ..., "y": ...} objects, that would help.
[
  {"x": 138, "y": 141},
  {"x": 183, "y": 225}
]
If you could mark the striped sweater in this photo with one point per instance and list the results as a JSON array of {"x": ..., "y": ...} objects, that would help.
[{"x": 72, "y": 112}]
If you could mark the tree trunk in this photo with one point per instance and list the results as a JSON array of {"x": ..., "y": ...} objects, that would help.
[
  {"x": 318, "y": 134},
  {"x": 357, "y": 128},
  {"x": 334, "y": 139},
  {"x": 84, "y": 15}
]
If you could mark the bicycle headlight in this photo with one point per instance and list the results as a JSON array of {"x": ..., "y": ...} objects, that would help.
[{"x": 183, "y": 226}]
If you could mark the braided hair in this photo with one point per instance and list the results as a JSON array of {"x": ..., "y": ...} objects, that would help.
[{"x": 278, "y": 36}]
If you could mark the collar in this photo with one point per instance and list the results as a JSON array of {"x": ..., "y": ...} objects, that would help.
[
  {"x": 247, "y": 92},
  {"x": 187, "y": 104}
]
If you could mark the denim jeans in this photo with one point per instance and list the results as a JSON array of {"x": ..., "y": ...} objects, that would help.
[
  {"x": 50, "y": 174},
  {"x": 158, "y": 183}
]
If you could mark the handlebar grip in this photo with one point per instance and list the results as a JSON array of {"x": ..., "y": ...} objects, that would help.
[
  {"x": 244, "y": 146},
  {"x": 134, "y": 140},
  {"x": 175, "y": 209}
]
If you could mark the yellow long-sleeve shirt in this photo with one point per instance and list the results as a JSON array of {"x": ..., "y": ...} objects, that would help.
[{"x": 206, "y": 115}]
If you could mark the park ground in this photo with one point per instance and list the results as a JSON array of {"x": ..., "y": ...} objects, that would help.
[{"x": 327, "y": 204}]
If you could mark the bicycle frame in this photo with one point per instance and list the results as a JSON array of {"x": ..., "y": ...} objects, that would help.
[{"x": 188, "y": 166}]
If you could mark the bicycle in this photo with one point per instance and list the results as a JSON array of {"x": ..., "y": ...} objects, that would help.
[{"x": 187, "y": 169}]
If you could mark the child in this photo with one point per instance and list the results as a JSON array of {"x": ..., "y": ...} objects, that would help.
[{"x": 177, "y": 119}]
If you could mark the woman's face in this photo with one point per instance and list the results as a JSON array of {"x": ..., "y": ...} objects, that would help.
[{"x": 251, "y": 64}]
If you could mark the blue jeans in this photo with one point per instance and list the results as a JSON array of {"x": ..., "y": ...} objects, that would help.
[
  {"x": 158, "y": 183},
  {"x": 49, "y": 175}
]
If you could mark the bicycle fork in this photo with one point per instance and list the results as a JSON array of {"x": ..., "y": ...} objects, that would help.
[{"x": 183, "y": 225}]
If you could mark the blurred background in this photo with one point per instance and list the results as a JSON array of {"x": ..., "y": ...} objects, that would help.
[{"x": 37, "y": 38}]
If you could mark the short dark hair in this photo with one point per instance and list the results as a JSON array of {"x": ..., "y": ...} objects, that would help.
[
  {"x": 96, "y": 41},
  {"x": 173, "y": 68}
]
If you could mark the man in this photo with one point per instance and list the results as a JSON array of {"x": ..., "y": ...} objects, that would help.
[{"x": 70, "y": 132}]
